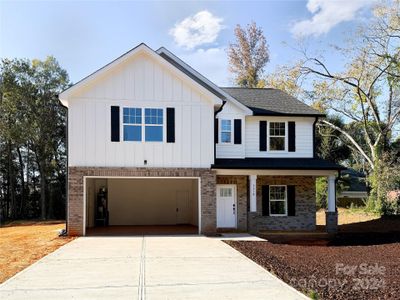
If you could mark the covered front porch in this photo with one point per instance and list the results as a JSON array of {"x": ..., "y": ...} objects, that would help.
[{"x": 275, "y": 199}]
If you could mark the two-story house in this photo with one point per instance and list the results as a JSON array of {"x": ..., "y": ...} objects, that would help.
[{"x": 153, "y": 142}]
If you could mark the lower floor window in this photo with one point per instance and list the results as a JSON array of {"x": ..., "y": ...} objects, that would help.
[{"x": 278, "y": 200}]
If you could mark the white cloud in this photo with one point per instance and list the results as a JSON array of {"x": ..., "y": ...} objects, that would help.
[
  {"x": 211, "y": 63},
  {"x": 199, "y": 29},
  {"x": 327, "y": 14}
]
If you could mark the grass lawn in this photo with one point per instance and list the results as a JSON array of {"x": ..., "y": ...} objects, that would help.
[
  {"x": 361, "y": 262},
  {"x": 24, "y": 242}
]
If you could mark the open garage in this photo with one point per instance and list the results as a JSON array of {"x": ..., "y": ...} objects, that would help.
[{"x": 119, "y": 206}]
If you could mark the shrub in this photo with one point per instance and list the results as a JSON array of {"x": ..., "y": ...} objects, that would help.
[{"x": 391, "y": 206}]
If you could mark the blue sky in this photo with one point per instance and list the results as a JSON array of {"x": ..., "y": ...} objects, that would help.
[{"x": 85, "y": 35}]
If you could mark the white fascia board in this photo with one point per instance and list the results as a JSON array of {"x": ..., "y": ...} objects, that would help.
[
  {"x": 142, "y": 48},
  {"x": 247, "y": 111}
]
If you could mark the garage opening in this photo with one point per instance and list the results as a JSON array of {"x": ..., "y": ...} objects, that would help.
[{"x": 136, "y": 206}]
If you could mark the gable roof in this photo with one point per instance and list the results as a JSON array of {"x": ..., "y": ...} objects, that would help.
[
  {"x": 271, "y": 102},
  {"x": 141, "y": 48}
]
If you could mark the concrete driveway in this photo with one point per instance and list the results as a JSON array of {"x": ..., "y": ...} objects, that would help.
[{"x": 150, "y": 267}]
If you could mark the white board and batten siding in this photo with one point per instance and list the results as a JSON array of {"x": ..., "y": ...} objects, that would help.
[
  {"x": 304, "y": 137},
  {"x": 140, "y": 82}
]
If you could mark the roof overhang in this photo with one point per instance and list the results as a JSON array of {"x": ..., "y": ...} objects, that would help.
[
  {"x": 141, "y": 48},
  {"x": 276, "y": 172},
  {"x": 188, "y": 70},
  {"x": 276, "y": 114}
]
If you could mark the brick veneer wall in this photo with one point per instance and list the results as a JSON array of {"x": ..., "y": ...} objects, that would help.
[
  {"x": 75, "y": 191},
  {"x": 305, "y": 217},
  {"x": 241, "y": 188}
]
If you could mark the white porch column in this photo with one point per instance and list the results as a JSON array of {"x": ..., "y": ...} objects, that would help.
[
  {"x": 253, "y": 193},
  {"x": 331, "y": 193}
]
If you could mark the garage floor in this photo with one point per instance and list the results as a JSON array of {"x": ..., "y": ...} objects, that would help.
[
  {"x": 149, "y": 267},
  {"x": 142, "y": 230}
]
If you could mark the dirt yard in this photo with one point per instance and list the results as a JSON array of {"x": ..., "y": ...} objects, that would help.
[
  {"x": 347, "y": 216},
  {"x": 22, "y": 243},
  {"x": 361, "y": 262}
]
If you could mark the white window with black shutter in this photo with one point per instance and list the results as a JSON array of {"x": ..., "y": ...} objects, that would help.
[
  {"x": 278, "y": 200},
  {"x": 277, "y": 136},
  {"x": 143, "y": 124},
  {"x": 225, "y": 131},
  {"x": 230, "y": 131}
]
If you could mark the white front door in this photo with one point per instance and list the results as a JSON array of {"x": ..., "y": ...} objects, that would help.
[{"x": 226, "y": 206}]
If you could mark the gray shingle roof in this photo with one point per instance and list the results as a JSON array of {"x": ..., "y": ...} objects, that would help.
[{"x": 269, "y": 102}]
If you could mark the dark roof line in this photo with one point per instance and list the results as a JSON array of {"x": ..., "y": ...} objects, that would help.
[{"x": 276, "y": 163}]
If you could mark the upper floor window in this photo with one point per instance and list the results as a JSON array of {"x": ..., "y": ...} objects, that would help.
[
  {"x": 277, "y": 134},
  {"x": 277, "y": 200},
  {"x": 153, "y": 124},
  {"x": 132, "y": 121},
  {"x": 226, "y": 131},
  {"x": 136, "y": 124}
]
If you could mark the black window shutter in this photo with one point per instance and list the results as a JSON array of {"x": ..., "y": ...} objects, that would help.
[
  {"x": 216, "y": 130},
  {"x": 114, "y": 123},
  {"x": 263, "y": 135},
  {"x": 170, "y": 125},
  {"x": 291, "y": 196},
  {"x": 292, "y": 136},
  {"x": 238, "y": 131},
  {"x": 265, "y": 200}
]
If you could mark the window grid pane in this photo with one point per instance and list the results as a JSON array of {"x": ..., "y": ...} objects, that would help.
[
  {"x": 226, "y": 125},
  {"x": 225, "y": 137},
  {"x": 225, "y": 192},
  {"x": 154, "y": 133},
  {"x": 153, "y": 116},
  {"x": 132, "y": 115},
  {"x": 277, "y": 129},
  {"x": 278, "y": 207},
  {"x": 132, "y": 133}
]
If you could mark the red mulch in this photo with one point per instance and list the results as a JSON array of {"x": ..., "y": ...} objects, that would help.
[{"x": 313, "y": 267}]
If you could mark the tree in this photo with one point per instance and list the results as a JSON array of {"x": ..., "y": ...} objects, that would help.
[
  {"x": 32, "y": 136},
  {"x": 248, "y": 56},
  {"x": 367, "y": 92},
  {"x": 288, "y": 79}
]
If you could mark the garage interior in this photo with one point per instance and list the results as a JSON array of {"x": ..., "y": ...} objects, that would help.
[{"x": 137, "y": 206}]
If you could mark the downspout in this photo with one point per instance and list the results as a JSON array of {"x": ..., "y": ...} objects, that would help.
[
  {"x": 215, "y": 119},
  {"x": 314, "y": 139},
  {"x": 67, "y": 173}
]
